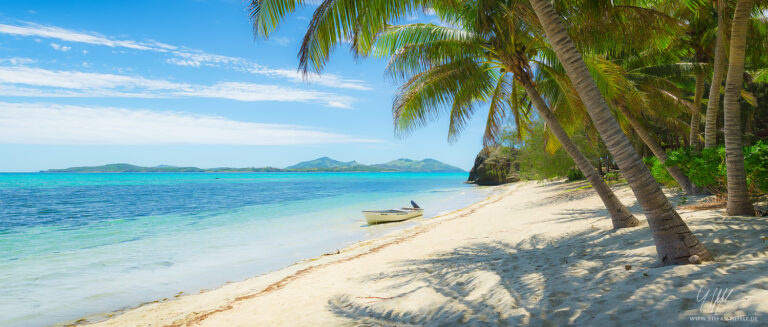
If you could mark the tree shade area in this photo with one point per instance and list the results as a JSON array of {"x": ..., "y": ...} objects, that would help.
[{"x": 601, "y": 90}]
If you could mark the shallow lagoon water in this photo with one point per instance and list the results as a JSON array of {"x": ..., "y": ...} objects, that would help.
[{"x": 74, "y": 245}]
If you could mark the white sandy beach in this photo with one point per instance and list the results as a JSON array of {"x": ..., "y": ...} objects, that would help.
[{"x": 536, "y": 254}]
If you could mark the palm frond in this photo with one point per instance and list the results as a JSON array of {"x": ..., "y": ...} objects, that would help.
[
  {"x": 266, "y": 15},
  {"x": 357, "y": 22},
  {"x": 455, "y": 85}
]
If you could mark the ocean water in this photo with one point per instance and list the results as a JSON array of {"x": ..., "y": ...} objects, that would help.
[{"x": 76, "y": 245}]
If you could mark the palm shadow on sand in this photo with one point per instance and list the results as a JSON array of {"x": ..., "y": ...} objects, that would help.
[{"x": 580, "y": 278}]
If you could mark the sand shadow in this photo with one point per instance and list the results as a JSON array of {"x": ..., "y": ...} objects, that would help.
[
  {"x": 572, "y": 191},
  {"x": 578, "y": 279}
]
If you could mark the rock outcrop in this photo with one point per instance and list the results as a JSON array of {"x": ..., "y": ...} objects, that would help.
[{"x": 494, "y": 166}]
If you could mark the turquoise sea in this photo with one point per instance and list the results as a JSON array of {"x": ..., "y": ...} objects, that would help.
[{"x": 76, "y": 245}]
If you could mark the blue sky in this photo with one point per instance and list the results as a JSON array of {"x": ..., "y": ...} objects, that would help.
[{"x": 185, "y": 83}]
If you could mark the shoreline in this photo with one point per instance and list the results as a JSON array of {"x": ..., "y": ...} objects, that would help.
[
  {"x": 298, "y": 267},
  {"x": 534, "y": 254}
]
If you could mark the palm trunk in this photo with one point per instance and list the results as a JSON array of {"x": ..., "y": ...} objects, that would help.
[
  {"x": 693, "y": 139},
  {"x": 738, "y": 195},
  {"x": 713, "y": 106},
  {"x": 620, "y": 216},
  {"x": 599, "y": 166},
  {"x": 675, "y": 243},
  {"x": 658, "y": 151}
]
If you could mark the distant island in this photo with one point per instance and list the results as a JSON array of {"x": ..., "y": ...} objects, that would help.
[{"x": 323, "y": 164}]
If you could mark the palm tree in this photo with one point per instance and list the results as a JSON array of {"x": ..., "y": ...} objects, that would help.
[
  {"x": 697, "y": 22},
  {"x": 738, "y": 195},
  {"x": 755, "y": 59},
  {"x": 713, "y": 104},
  {"x": 657, "y": 150},
  {"x": 675, "y": 243},
  {"x": 693, "y": 139},
  {"x": 455, "y": 75},
  {"x": 337, "y": 20},
  {"x": 642, "y": 88}
]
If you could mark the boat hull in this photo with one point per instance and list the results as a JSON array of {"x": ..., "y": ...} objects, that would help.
[{"x": 387, "y": 216}]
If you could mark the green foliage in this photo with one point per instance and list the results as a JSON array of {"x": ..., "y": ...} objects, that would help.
[
  {"x": 611, "y": 176},
  {"x": 706, "y": 168},
  {"x": 574, "y": 174},
  {"x": 534, "y": 159},
  {"x": 756, "y": 164},
  {"x": 426, "y": 165},
  {"x": 659, "y": 172}
]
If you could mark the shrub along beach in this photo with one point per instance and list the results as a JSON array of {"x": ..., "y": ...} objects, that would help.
[{"x": 623, "y": 177}]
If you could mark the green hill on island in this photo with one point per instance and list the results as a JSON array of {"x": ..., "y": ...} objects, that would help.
[
  {"x": 323, "y": 164},
  {"x": 426, "y": 165}
]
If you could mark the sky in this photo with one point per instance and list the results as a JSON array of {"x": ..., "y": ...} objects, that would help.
[{"x": 184, "y": 82}]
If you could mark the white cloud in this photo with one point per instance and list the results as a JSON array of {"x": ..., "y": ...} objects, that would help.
[
  {"x": 207, "y": 58},
  {"x": 197, "y": 59},
  {"x": 162, "y": 45},
  {"x": 59, "y": 47},
  {"x": 329, "y": 80},
  {"x": 37, "y": 82},
  {"x": 17, "y": 61},
  {"x": 40, "y": 123},
  {"x": 31, "y": 92},
  {"x": 72, "y": 36},
  {"x": 282, "y": 41},
  {"x": 183, "y": 62},
  {"x": 77, "y": 80},
  {"x": 180, "y": 56},
  {"x": 263, "y": 92}
]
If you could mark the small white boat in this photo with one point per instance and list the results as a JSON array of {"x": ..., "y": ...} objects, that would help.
[{"x": 386, "y": 216}]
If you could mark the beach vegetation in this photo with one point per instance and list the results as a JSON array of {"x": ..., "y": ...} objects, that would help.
[
  {"x": 633, "y": 74},
  {"x": 659, "y": 172},
  {"x": 612, "y": 176},
  {"x": 707, "y": 167},
  {"x": 539, "y": 159},
  {"x": 574, "y": 174}
]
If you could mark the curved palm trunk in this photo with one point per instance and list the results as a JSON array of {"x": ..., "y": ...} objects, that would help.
[
  {"x": 675, "y": 243},
  {"x": 713, "y": 106},
  {"x": 693, "y": 139},
  {"x": 658, "y": 151},
  {"x": 620, "y": 216},
  {"x": 738, "y": 195}
]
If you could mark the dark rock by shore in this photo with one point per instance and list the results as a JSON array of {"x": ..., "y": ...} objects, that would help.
[{"x": 494, "y": 166}]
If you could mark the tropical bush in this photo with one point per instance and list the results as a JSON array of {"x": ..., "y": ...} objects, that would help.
[
  {"x": 756, "y": 163},
  {"x": 539, "y": 159},
  {"x": 659, "y": 172},
  {"x": 611, "y": 176},
  {"x": 706, "y": 167},
  {"x": 535, "y": 161},
  {"x": 574, "y": 174}
]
